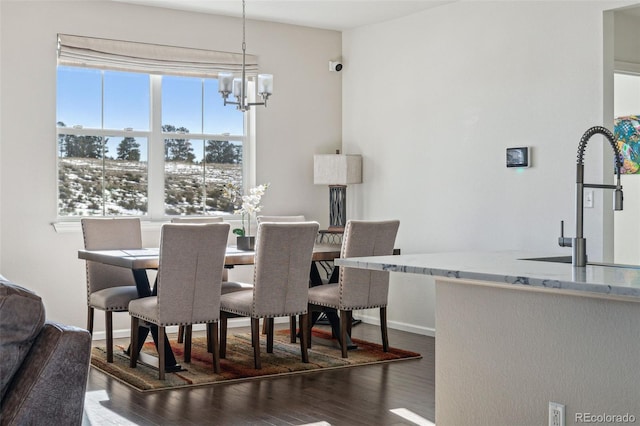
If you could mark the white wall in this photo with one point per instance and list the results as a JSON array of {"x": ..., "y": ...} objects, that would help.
[
  {"x": 303, "y": 118},
  {"x": 627, "y": 94},
  {"x": 627, "y": 34},
  {"x": 627, "y": 102},
  {"x": 432, "y": 100},
  {"x": 627, "y": 226}
]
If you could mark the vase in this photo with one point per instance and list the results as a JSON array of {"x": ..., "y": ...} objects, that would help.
[{"x": 246, "y": 243}]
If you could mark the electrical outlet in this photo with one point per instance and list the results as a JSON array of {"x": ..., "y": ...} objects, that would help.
[
  {"x": 588, "y": 199},
  {"x": 556, "y": 414}
]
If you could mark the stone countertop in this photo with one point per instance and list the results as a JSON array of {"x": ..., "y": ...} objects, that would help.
[{"x": 510, "y": 268}]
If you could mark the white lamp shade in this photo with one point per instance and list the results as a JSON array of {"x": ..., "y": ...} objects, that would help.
[{"x": 337, "y": 169}]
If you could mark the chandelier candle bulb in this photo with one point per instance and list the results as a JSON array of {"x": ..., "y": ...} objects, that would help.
[
  {"x": 237, "y": 87},
  {"x": 265, "y": 84},
  {"x": 225, "y": 80}
]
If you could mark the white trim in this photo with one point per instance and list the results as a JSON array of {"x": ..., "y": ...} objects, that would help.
[
  {"x": 626, "y": 67},
  {"x": 71, "y": 225},
  {"x": 82, "y": 131},
  {"x": 155, "y": 151},
  {"x": 395, "y": 325},
  {"x": 244, "y": 322}
]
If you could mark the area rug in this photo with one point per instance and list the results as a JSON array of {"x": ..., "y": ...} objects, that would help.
[{"x": 285, "y": 360}]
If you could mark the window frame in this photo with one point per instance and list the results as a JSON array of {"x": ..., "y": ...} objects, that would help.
[{"x": 155, "y": 152}]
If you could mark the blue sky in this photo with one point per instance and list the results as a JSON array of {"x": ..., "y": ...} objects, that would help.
[{"x": 127, "y": 103}]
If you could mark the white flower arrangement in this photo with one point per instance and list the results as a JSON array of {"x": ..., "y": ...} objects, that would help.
[{"x": 250, "y": 205}]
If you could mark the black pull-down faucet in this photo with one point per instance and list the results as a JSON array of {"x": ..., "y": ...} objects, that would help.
[{"x": 579, "y": 243}]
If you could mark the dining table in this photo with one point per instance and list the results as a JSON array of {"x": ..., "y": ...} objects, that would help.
[{"x": 141, "y": 260}]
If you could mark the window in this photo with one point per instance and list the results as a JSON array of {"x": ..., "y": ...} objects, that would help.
[
  {"x": 139, "y": 144},
  {"x": 203, "y": 173}
]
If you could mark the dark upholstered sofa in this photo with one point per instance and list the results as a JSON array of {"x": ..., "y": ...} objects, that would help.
[{"x": 43, "y": 365}]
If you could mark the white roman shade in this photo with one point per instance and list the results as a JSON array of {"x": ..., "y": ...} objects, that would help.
[{"x": 118, "y": 55}]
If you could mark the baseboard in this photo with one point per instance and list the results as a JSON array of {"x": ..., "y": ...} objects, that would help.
[
  {"x": 395, "y": 325},
  {"x": 244, "y": 322}
]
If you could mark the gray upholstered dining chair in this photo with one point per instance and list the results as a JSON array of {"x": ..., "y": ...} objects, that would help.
[
  {"x": 109, "y": 288},
  {"x": 227, "y": 286},
  {"x": 278, "y": 219},
  {"x": 281, "y": 282},
  {"x": 359, "y": 288},
  {"x": 188, "y": 286}
]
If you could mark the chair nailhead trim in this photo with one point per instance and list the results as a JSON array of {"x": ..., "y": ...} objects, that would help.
[{"x": 112, "y": 309}]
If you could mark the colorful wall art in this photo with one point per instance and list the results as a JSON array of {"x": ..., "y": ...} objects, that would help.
[{"x": 627, "y": 134}]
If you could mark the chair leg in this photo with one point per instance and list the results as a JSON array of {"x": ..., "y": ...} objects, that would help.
[
  {"x": 349, "y": 322},
  {"x": 383, "y": 329},
  {"x": 209, "y": 338},
  {"x": 188, "y": 329},
  {"x": 309, "y": 326},
  {"x": 133, "y": 347},
  {"x": 343, "y": 332},
  {"x": 187, "y": 343},
  {"x": 161, "y": 357},
  {"x": 269, "y": 322},
  {"x": 223, "y": 335},
  {"x": 292, "y": 328},
  {"x": 304, "y": 335},
  {"x": 255, "y": 339},
  {"x": 215, "y": 346},
  {"x": 180, "y": 334},
  {"x": 109, "y": 330},
  {"x": 90, "y": 320}
]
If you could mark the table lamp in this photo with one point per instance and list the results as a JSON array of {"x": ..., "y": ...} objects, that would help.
[{"x": 337, "y": 170}]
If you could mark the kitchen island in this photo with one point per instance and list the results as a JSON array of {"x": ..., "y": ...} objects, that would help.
[{"x": 513, "y": 335}]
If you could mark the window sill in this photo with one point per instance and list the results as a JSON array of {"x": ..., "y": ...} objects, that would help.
[
  {"x": 71, "y": 226},
  {"x": 62, "y": 227}
]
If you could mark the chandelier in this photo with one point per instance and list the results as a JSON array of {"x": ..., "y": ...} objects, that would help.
[{"x": 227, "y": 84}]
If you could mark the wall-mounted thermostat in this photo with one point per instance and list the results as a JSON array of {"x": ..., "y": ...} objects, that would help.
[{"x": 518, "y": 157}]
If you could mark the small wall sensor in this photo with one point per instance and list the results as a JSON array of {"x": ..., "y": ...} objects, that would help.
[
  {"x": 518, "y": 157},
  {"x": 335, "y": 66}
]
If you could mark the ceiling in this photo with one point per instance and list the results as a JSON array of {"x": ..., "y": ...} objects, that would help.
[{"x": 336, "y": 15}]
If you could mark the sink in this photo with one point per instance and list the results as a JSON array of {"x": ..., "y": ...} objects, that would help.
[
  {"x": 568, "y": 259},
  {"x": 555, "y": 259}
]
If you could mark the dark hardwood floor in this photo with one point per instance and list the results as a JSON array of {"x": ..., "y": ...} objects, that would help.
[{"x": 352, "y": 396}]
